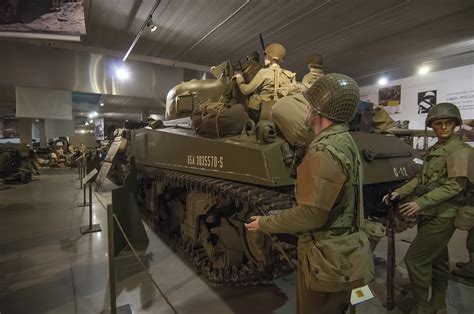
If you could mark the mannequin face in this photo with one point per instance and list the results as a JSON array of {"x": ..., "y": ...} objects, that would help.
[
  {"x": 443, "y": 128},
  {"x": 313, "y": 120}
]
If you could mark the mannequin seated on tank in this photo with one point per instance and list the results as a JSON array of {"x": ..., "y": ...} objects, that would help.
[{"x": 269, "y": 84}]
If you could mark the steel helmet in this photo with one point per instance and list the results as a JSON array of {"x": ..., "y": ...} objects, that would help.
[
  {"x": 444, "y": 110},
  {"x": 334, "y": 96},
  {"x": 315, "y": 60},
  {"x": 276, "y": 51}
]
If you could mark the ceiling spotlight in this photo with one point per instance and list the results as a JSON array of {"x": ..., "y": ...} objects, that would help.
[
  {"x": 102, "y": 104},
  {"x": 86, "y": 124},
  {"x": 151, "y": 26},
  {"x": 91, "y": 121},
  {"x": 93, "y": 114},
  {"x": 83, "y": 131},
  {"x": 383, "y": 81},
  {"x": 423, "y": 69},
  {"x": 122, "y": 73}
]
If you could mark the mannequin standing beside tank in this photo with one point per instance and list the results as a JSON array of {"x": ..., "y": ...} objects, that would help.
[{"x": 438, "y": 189}]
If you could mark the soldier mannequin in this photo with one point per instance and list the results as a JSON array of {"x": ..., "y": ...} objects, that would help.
[
  {"x": 262, "y": 87},
  {"x": 436, "y": 188},
  {"x": 327, "y": 203},
  {"x": 250, "y": 69},
  {"x": 315, "y": 66}
]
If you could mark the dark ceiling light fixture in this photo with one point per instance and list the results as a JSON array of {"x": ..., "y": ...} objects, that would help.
[
  {"x": 148, "y": 20},
  {"x": 151, "y": 26}
]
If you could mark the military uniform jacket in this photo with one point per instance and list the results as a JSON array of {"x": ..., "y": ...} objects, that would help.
[
  {"x": 263, "y": 84},
  {"x": 435, "y": 189},
  {"x": 312, "y": 76},
  {"x": 327, "y": 181}
]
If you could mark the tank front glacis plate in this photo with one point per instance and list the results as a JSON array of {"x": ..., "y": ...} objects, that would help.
[{"x": 238, "y": 158}]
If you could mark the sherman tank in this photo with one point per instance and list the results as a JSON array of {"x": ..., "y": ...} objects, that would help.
[{"x": 198, "y": 191}]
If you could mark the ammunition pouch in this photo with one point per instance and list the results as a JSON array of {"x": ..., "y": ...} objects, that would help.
[
  {"x": 375, "y": 231},
  {"x": 465, "y": 217},
  {"x": 337, "y": 263}
]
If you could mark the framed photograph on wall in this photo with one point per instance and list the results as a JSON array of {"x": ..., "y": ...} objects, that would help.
[
  {"x": 426, "y": 100},
  {"x": 390, "y": 97}
]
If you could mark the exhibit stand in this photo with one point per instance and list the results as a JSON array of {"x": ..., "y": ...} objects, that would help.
[
  {"x": 90, "y": 228},
  {"x": 125, "y": 228}
]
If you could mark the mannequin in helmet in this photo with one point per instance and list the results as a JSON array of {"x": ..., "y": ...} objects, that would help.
[
  {"x": 315, "y": 66},
  {"x": 270, "y": 83},
  {"x": 436, "y": 190},
  {"x": 327, "y": 202}
]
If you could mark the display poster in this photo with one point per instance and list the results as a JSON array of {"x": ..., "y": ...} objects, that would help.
[
  {"x": 99, "y": 129},
  {"x": 426, "y": 100},
  {"x": 389, "y": 98},
  {"x": 463, "y": 99},
  {"x": 9, "y": 128},
  {"x": 53, "y": 17},
  {"x": 467, "y": 131}
]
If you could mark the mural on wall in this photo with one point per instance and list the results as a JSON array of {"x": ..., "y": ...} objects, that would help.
[
  {"x": 64, "y": 17},
  {"x": 389, "y": 98},
  {"x": 9, "y": 128},
  {"x": 426, "y": 100}
]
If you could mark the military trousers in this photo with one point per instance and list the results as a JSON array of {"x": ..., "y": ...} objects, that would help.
[
  {"x": 310, "y": 302},
  {"x": 427, "y": 260},
  {"x": 254, "y": 114}
]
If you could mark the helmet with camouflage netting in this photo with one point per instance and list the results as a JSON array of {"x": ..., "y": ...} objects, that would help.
[
  {"x": 334, "y": 96},
  {"x": 444, "y": 110}
]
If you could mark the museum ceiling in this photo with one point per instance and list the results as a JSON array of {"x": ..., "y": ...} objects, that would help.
[{"x": 360, "y": 38}]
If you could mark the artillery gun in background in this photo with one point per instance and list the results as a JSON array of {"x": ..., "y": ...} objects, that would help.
[{"x": 197, "y": 191}]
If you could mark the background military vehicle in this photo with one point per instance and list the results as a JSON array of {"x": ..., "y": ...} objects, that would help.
[
  {"x": 198, "y": 191},
  {"x": 15, "y": 163}
]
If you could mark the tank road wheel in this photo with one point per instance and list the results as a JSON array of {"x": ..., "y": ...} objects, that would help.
[
  {"x": 222, "y": 245},
  {"x": 257, "y": 245}
]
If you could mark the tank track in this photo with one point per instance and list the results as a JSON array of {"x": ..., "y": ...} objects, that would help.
[{"x": 260, "y": 199}]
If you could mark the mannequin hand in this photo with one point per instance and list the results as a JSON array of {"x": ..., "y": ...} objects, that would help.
[
  {"x": 394, "y": 196},
  {"x": 254, "y": 225},
  {"x": 410, "y": 209}
]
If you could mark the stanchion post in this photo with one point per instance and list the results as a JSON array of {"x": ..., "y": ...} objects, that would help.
[
  {"x": 110, "y": 238},
  {"x": 84, "y": 202},
  {"x": 90, "y": 228},
  {"x": 81, "y": 174}
]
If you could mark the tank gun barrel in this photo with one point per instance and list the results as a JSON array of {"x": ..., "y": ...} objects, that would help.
[{"x": 410, "y": 132}]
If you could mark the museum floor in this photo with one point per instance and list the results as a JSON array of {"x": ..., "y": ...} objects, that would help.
[{"x": 46, "y": 265}]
